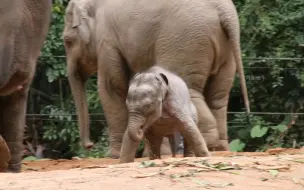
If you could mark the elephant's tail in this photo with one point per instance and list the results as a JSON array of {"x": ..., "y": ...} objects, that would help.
[{"x": 230, "y": 23}]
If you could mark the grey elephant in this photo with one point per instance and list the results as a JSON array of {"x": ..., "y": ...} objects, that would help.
[
  {"x": 153, "y": 95},
  {"x": 23, "y": 29},
  {"x": 79, "y": 74},
  {"x": 199, "y": 41}
]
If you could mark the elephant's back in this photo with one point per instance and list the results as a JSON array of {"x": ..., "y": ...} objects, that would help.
[
  {"x": 192, "y": 43},
  {"x": 183, "y": 36}
]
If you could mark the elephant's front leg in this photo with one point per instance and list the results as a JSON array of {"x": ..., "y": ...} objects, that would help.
[
  {"x": 128, "y": 149},
  {"x": 112, "y": 88},
  {"x": 12, "y": 125},
  {"x": 154, "y": 143},
  {"x": 217, "y": 96}
]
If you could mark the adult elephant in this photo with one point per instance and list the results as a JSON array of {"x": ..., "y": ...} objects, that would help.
[
  {"x": 199, "y": 40},
  {"x": 82, "y": 63},
  {"x": 23, "y": 29}
]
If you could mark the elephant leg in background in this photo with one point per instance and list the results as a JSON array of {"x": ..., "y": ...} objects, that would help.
[
  {"x": 217, "y": 96},
  {"x": 179, "y": 143},
  {"x": 165, "y": 148},
  {"x": 154, "y": 143},
  {"x": 12, "y": 126},
  {"x": 206, "y": 121},
  {"x": 173, "y": 144},
  {"x": 128, "y": 149},
  {"x": 112, "y": 88}
]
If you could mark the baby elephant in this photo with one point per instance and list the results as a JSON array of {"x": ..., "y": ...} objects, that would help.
[
  {"x": 156, "y": 97},
  {"x": 5, "y": 155}
]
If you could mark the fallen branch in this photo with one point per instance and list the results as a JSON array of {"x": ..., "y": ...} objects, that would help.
[
  {"x": 280, "y": 168},
  {"x": 144, "y": 175}
]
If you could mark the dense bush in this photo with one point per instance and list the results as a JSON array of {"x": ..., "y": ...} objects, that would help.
[{"x": 269, "y": 30}]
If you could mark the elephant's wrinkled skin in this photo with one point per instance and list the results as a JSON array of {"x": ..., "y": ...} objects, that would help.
[
  {"x": 198, "y": 40},
  {"x": 80, "y": 48},
  {"x": 23, "y": 29}
]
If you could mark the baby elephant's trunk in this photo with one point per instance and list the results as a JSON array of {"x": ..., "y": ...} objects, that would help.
[{"x": 135, "y": 128}]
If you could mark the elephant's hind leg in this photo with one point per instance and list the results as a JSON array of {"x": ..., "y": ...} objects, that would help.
[
  {"x": 172, "y": 142},
  {"x": 206, "y": 121},
  {"x": 194, "y": 138},
  {"x": 188, "y": 150},
  {"x": 12, "y": 126},
  {"x": 217, "y": 96},
  {"x": 154, "y": 143},
  {"x": 112, "y": 88},
  {"x": 165, "y": 148}
]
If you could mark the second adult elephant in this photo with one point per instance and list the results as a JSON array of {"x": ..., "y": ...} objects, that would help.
[
  {"x": 198, "y": 40},
  {"x": 23, "y": 28},
  {"x": 82, "y": 63}
]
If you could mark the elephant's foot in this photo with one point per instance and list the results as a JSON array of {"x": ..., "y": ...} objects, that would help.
[
  {"x": 212, "y": 139},
  {"x": 223, "y": 145},
  {"x": 115, "y": 146},
  {"x": 113, "y": 153},
  {"x": 14, "y": 168},
  {"x": 189, "y": 154}
]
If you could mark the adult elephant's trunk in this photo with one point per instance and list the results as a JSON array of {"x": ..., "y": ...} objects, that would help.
[
  {"x": 77, "y": 84},
  {"x": 135, "y": 128}
]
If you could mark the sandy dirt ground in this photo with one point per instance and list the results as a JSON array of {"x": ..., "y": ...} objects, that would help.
[{"x": 276, "y": 169}]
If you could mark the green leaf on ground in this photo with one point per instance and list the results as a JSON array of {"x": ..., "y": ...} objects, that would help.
[
  {"x": 274, "y": 173},
  {"x": 236, "y": 145},
  {"x": 147, "y": 164},
  {"x": 208, "y": 184},
  {"x": 300, "y": 160}
]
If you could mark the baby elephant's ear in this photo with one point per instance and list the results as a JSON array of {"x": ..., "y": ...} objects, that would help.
[{"x": 164, "y": 78}]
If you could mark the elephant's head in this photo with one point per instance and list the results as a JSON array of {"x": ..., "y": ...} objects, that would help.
[
  {"x": 78, "y": 33},
  {"x": 79, "y": 45},
  {"x": 145, "y": 102}
]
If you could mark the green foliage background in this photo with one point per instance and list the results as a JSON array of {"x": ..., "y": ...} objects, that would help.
[{"x": 269, "y": 30}]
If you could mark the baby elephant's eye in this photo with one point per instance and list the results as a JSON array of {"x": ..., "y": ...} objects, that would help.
[{"x": 148, "y": 107}]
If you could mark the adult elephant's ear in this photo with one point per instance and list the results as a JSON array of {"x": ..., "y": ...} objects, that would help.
[
  {"x": 81, "y": 21},
  {"x": 164, "y": 77}
]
